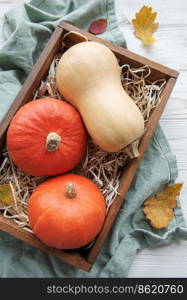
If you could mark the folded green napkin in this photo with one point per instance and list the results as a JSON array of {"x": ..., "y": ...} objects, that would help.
[{"x": 26, "y": 30}]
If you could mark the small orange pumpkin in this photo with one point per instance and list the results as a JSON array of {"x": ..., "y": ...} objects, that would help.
[
  {"x": 46, "y": 137},
  {"x": 66, "y": 212}
]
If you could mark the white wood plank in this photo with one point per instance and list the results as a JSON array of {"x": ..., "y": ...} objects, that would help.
[
  {"x": 171, "y": 40},
  {"x": 171, "y": 36},
  {"x": 161, "y": 261},
  {"x": 168, "y": 12},
  {"x": 174, "y": 124}
]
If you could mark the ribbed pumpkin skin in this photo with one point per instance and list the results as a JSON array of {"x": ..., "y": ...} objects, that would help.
[
  {"x": 27, "y": 133},
  {"x": 64, "y": 223}
]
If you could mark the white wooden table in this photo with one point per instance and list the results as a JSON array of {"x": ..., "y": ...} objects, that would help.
[{"x": 171, "y": 50}]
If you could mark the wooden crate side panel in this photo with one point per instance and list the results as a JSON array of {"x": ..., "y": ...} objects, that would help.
[{"x": 2, "y": 145}]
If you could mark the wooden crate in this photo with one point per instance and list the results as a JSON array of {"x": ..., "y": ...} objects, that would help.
[{"x": 85, "y": 259}]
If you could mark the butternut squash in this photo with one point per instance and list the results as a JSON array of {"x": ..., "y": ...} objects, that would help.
[{"x": 88, "y": 76}]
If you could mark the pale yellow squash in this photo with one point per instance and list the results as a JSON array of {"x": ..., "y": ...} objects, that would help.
[{"x": 88, "y": 76}]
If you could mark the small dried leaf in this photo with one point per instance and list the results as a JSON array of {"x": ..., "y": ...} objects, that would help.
[
  {"x": 6, "y": 196},
  {"x": 98, "y": 26},
  {"x": 159, "y": 209},
  {"x": 144, "y": 25}
]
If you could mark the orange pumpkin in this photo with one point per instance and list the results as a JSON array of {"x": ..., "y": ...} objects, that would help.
[
  {"x": 66, "y": 212},
  {"x": 46, "y": 137}
]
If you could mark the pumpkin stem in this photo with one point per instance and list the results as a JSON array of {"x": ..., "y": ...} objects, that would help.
[
  {"x": 70, "y": 191},
  {"x": 53, "y": 141},
  {"x": 132, "y": 150}
]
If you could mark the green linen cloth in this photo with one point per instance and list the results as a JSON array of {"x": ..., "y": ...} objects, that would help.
[{"x": 26, "y": 30}]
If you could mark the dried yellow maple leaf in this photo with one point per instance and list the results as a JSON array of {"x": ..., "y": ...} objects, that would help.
[
  {"x": 6, "y": 196},
  {"x": 159, "y": 209},
  {"x": 144, "y": 25}
]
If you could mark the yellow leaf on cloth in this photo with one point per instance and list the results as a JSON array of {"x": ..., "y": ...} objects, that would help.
[
  {"x": 159, "y": 209},
  {"x": 6, "y": 196},
  {"x": 144, "y": 25}
]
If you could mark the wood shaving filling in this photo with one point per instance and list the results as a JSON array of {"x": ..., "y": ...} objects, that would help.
[{"x": 101, "y": 167}]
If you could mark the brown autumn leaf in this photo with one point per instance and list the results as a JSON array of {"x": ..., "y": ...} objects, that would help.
[
  {"x": 6, "y": 196},
  {"x": 98, "y": 26},
  {"x": 144, "y": 25},
  {"x": 159, "y": 209}
]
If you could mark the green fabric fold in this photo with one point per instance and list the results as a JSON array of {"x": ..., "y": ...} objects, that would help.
[{"x": 26, "y": 30}]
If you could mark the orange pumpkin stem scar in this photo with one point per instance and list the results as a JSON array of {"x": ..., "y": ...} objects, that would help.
[
  {"x": 53, "y": 141},
  {"x": 70, "y": 191}
]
